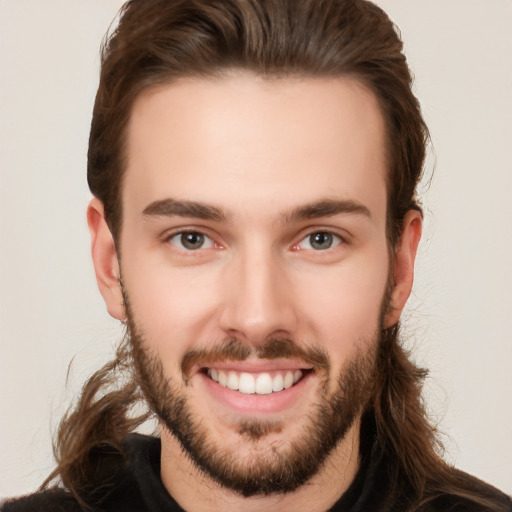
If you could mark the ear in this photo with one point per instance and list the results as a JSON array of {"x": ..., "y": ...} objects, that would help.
[
  {"x": 104, "y": 257},
  {"x": 403, "y": 276}
]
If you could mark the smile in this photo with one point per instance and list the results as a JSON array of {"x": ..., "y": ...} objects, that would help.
[{"x": 263, "y": 383}]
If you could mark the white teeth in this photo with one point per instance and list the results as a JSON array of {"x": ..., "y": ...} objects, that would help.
[
  {"x": 246, "y": 384},
  {"x": 223, "y": 378},
  {"x": 262, "y": 384},
  {"x": 232, "y": 381},
  {"x": 278, "y": 383},
  {"x": 288, "y": 380}
]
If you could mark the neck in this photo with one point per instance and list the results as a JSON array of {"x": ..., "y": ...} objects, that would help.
[{"x": 196, "y": 492}]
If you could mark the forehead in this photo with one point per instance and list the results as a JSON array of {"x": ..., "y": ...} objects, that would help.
[{"x": 245, "y": 140}]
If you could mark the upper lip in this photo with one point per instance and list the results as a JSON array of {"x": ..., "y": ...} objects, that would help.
[{"x": 255, "y": 365}]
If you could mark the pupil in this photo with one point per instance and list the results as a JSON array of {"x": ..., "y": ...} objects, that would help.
[
  {"x": 192, "y": 240},
  {"x": 321, "y": 241}
]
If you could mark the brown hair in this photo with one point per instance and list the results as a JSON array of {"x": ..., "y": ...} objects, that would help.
[{"x": 157, "y": 41}]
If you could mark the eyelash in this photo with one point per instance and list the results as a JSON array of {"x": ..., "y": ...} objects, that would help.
[
  {"x": 199, "y": 233},
  {"x": 335, "y": 240}
]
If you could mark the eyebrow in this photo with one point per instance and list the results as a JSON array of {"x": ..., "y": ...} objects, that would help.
[
  {"x": 327, "y": 208},
  {"x": 171, "y": 207}
]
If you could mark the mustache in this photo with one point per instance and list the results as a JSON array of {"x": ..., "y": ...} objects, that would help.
[{"x": 235, "y": 350}]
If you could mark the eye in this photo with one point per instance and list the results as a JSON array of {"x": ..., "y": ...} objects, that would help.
[
  {"x": 320, "y": 241},
  {"x": 191, "y": 241}
]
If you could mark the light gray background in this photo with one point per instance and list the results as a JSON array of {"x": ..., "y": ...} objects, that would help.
[{"x": 459, "y": 321}]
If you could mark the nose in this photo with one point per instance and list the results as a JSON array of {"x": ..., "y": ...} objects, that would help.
[{"x": 258, "y": 300}]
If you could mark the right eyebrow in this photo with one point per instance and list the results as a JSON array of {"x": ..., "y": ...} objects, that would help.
[{"x": 172, "y": 207}]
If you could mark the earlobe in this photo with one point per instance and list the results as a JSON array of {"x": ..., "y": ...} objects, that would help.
[
  {"x": 105, "y": 260},
  {"x": 403, "y": 272}
]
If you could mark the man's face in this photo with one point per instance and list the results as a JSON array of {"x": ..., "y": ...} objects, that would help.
[{"x": 254, "y": 256}]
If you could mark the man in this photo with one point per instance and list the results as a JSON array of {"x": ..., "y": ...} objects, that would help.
[{"x": 255, "y": 227}]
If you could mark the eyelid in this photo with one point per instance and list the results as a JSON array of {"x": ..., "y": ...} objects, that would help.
[
  {"x": 169, "y": 235},
  {"x": 344, "y": 238}
]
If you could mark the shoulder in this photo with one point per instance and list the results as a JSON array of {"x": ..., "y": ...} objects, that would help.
[
  {"x": 470, "y": 495},
  {"x": 60, "y": 500},
  {"x": 114, "y": 486},
  {"x": 49, "y": 500}
]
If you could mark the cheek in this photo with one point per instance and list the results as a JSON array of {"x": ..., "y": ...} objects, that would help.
[
  {"x": 338, "y": 306},
  {"x": 171, "y": 306},
  {"x": 343, "y": 308}
]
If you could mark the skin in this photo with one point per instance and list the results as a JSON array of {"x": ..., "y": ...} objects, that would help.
[{"x": 257, "y": 150}]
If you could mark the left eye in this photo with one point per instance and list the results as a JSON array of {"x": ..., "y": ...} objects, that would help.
[
  {"x": 320, "y": 241},
  {"x": 191, "y": 241}
]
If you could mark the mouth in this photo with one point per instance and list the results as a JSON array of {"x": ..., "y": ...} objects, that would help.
[
  {"x": 255, "y": 387},
  {"x": 259, "y": 383}
]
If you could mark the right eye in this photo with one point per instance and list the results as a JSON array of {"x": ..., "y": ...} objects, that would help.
[{"x": 191, "y": 241}]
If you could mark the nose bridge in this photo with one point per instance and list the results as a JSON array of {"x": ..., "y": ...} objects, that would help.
[{"x": 259, "y": 304}]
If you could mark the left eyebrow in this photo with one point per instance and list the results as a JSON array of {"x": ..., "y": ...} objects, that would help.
[{"x": 326, "y": 208}]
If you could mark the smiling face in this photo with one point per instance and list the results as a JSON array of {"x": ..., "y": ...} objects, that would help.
[{"x": 255, "y": 265}]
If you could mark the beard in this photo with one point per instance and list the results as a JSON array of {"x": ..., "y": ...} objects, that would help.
[{"x": 272, "y": 468}]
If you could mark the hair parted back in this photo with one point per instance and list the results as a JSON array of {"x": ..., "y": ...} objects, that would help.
[{"x": 158, "y": 41}]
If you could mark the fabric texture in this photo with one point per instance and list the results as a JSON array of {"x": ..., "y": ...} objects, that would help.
[{"x": 131, "y": 483}]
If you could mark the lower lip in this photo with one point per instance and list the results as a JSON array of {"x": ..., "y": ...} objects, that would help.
[{"x": 255, "y": 403}]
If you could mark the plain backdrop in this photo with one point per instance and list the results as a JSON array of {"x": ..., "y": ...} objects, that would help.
[{"x": 459, "y": 322}]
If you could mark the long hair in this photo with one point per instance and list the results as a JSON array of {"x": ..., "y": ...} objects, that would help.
[
  {"x": 158, "y": 41},
  {"x": 112, "y": 405}
]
